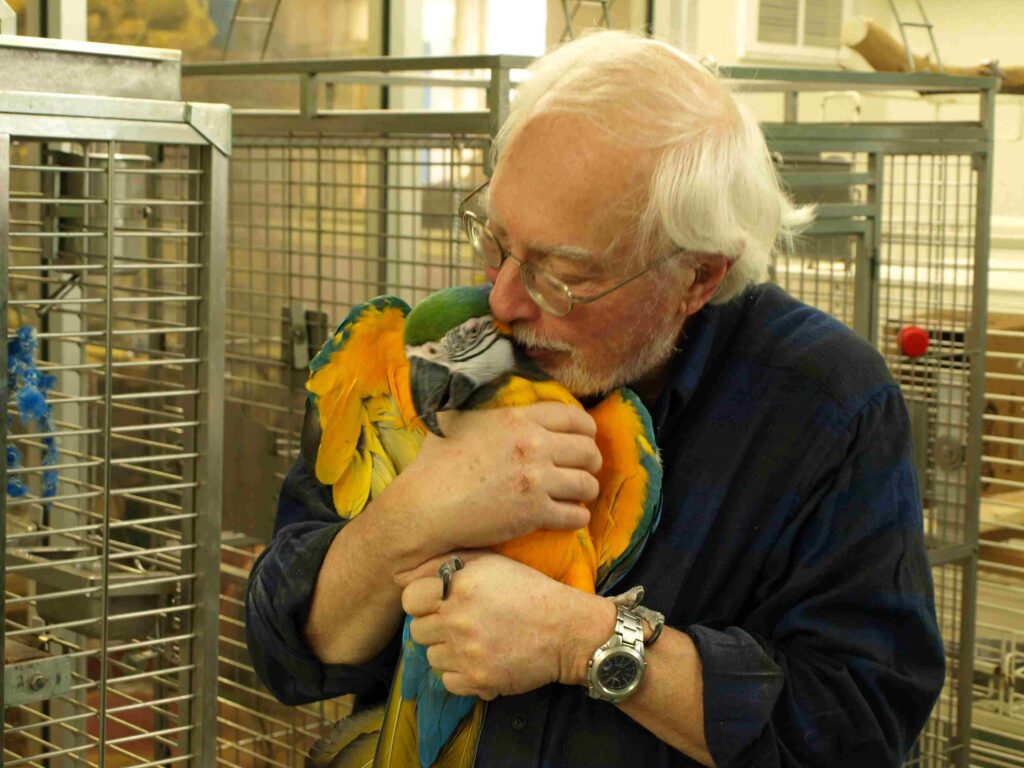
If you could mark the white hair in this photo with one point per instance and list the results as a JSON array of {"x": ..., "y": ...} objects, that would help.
[{"x": 713, "y": 188}]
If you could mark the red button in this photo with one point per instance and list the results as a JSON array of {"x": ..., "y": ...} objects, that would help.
[{"x": 913, "y": 341}]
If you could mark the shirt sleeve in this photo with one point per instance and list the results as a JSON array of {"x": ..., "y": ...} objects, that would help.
[
  {"x": 841, "y": 661},
  {"x": 279, "y": 594}
]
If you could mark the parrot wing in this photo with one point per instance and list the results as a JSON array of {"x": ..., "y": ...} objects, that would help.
[
  {"x": 350, "y": 743},
  {"x": 628, "y": 507},
  {"x": 361, "y": 429},
  {"x": 406, "y": 739}
]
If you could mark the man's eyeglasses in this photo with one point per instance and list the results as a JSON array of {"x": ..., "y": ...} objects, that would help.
[{"x": 551, "y": 294}]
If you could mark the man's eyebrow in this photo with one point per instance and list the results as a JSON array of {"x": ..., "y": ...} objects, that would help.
[{"x": 571, "y": 252}]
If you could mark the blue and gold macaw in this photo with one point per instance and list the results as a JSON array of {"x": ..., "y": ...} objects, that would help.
[{"x": 375, "y": 390}]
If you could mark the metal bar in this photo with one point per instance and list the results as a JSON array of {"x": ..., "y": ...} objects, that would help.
[
  {"x": 97, "y": 129},
  {"x": 837, "y": 179},
  {"x": 108, "y": 410},
  {"x": 788, "y": 78},
  {"x": 209, "y": 441},
  {"x": 976, "y": 340},
  {"x": 270, "y": 29},
  {"x": 940, "y": 132},
  {"x": 892, "y": 147},
  {"x": 371, "y": 64},
  {"x": 366, "y": 122},
  {"x": 876, "y": 167},
  {"x": 70, "y": 105},
  {"x": 427, "y": 81},
  {"x": 5, "y": 187},
  {"x": 497, "y": 108},
  {"x": 791, "y": 106}
]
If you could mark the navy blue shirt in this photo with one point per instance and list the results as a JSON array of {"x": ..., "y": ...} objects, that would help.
[{"x": 790, "y": 549}]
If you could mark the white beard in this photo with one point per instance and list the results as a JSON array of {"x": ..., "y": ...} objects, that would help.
[{"x": 651, "y": 350}]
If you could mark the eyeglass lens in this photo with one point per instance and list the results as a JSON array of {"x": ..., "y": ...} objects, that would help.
[{"x": 547, "y": 291}]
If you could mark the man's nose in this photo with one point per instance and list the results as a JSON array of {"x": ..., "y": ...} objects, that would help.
[{"x": 509, "y": 300}]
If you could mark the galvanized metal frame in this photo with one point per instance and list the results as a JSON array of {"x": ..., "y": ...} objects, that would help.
[
  {"x": 977, "y": 343},
  {"x": 5, "y": 188},
  {"x": 206, "y": 129}
]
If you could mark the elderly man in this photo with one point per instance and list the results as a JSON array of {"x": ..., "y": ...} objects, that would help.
[{"x": 629, "y": 222}]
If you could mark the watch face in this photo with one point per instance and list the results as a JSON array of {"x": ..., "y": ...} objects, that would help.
[{"x": 617, "y": 672}]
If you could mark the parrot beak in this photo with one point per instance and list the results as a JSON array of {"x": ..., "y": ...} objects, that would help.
[
  {"x": 429, "y": 391},
  {"x": 459, "y": 389}
]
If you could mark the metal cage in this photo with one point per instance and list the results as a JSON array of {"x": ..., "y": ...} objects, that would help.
[
  {"x": 330, "y": 207},
  {"x": 112, "y": 231},
  {"x": 900, "y": 245}
]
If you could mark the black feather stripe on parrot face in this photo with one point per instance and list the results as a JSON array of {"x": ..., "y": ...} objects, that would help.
[{"x": 445, "y": 374}]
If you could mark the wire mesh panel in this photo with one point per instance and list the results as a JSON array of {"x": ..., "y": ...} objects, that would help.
[
  {"x": 111, "y": 430},
  {"x": 822, "y": 269},
  {"x": 998, "y": 716},
  {"x": 940, "y": 744},
  {"x": 254, "y": 729},
  {"x": 927, "y": 280},
  {"x": 900, "y": 239},
  {"x": 329, "y": 208},
  {"x": 318, "y": 225}
]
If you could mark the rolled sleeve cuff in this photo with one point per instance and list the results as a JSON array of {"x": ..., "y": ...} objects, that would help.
[
  {"x": 280, "y": 592},
  {"x": 741, "y": 686}
]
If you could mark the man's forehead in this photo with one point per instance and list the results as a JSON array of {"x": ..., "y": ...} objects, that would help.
[{"x": 564, "y": 176}]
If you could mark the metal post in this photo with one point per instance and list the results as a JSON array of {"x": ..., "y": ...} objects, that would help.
[
  {"x": 497, "y": 104},
  {"x": 791, "y": 106},
  {"x": 8, "y": 20},
  {"x": 876, "y": 167},
  {"x": 5, "y": 207},
  {"x": 976, "y": 342},
  {"x": 210, "y": 443},
  {"x": 67, "y": 19}
]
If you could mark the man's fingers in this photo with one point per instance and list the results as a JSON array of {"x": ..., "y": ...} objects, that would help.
[
  {"x": 428, "y": 630},
  {"x": 422, "y": 597},
  {"x": 558, "y": 417},
  {"x": 566, "y": 516},
  {"x": 460, "y": 685},
  {"x": 441, "y": 657},
  {"x": 577, "y": 451},
  {"x": 572, "y": 485}
]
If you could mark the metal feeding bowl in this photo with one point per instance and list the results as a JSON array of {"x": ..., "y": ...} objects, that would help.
[{"x": 69, "y": 583}]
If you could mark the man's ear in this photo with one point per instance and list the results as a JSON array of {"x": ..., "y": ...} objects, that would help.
[{"x": 710, "y": 274}]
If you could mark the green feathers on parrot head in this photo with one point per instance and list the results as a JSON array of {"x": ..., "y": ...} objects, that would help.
[
  {"x": 455, "y": 351},
  {"x": 440, "y": 312}
]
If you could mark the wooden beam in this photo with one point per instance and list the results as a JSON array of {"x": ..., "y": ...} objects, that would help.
[{"x": 886, "y": 54}]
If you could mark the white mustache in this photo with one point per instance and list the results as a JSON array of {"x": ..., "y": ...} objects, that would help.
[{"x": 528, "y": 337}]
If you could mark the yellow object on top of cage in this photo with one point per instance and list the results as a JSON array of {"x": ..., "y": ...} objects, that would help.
[{"x": 183, "y": 24}]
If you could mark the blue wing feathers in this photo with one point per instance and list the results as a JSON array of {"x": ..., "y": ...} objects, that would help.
[{"x": 438, "y": 712}]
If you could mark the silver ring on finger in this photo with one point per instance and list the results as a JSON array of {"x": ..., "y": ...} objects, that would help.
[{"x": 445, "y": 571}]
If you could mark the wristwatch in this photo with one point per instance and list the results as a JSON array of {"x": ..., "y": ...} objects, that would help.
[{"x": 615, "y": 670}]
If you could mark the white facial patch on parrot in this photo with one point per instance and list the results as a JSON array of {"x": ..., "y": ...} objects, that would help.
[
  {"x": 473, "y": 349},
  {"x": 477, "y": 351}
]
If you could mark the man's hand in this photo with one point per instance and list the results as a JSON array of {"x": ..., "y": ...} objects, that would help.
[
  {"x": 505, "y": 628},
  {"x": 499, "y": 474}
]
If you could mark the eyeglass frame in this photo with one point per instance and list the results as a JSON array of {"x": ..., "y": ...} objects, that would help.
[{"x": 525, "y": 268}]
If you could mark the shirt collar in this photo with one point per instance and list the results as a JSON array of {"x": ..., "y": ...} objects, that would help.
[{"x": 703, "y": 336}]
